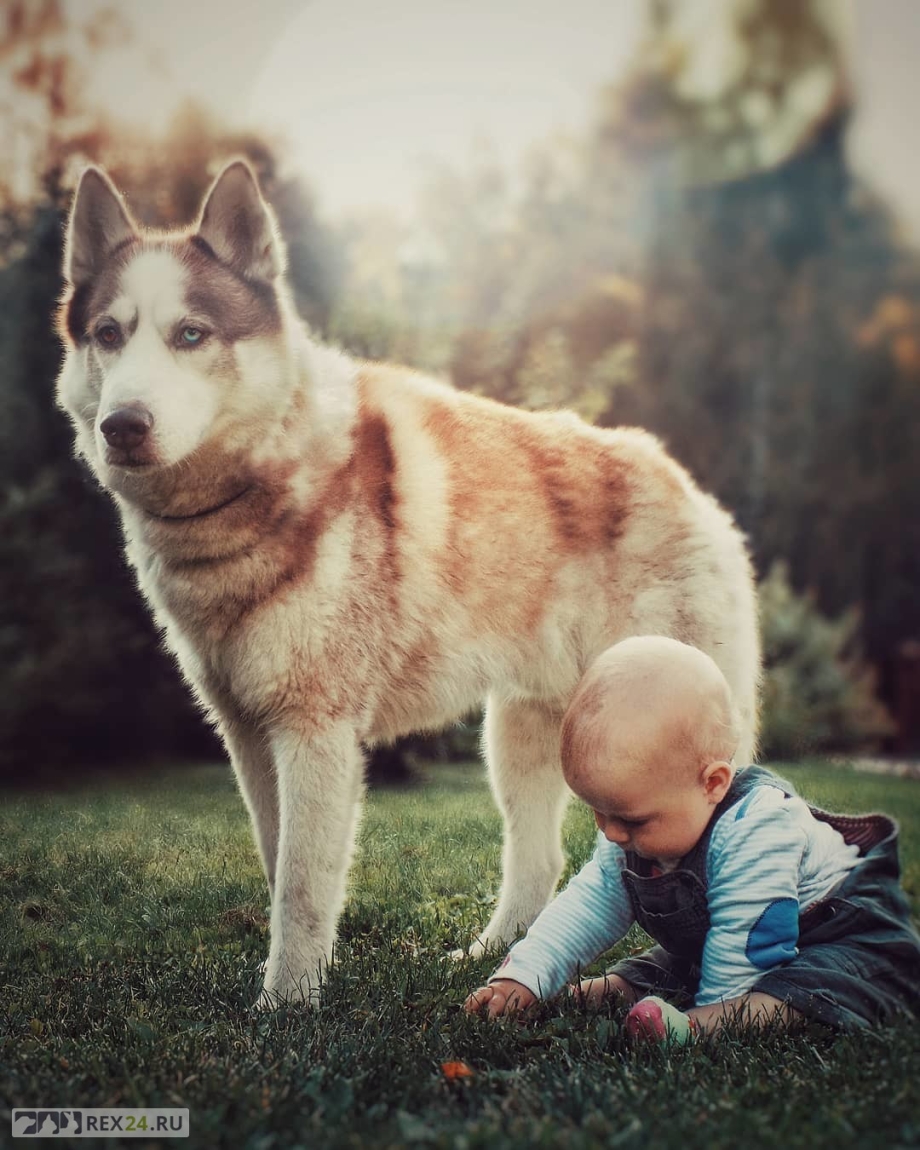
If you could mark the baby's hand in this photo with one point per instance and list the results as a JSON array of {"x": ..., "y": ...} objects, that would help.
[{"x": 501, "y": 996}]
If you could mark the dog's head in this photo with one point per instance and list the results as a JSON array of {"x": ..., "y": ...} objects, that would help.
[{"x": 175, "y": 342}]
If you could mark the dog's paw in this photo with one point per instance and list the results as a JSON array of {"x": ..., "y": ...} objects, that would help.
[
  {"x": 267, "y": 1001},
  {"x": 270, "y": 1000},
  {"x": 287, "y": 993},
  {"x": 476, "y": 949}
]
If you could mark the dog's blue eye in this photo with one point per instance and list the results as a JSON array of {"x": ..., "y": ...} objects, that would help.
[{"x": 191, "y": 335}]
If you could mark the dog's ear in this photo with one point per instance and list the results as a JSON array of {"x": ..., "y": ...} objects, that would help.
[
  {"x": 99, "y": 222},
  {"x": 238, "y": 225}
]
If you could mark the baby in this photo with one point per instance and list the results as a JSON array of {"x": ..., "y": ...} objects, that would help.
[{"x": 762, "y": 908}]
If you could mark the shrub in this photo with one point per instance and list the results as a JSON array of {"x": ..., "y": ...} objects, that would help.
[{"x": 818, "y": 692}]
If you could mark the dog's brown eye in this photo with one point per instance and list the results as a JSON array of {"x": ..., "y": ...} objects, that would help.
[{"x": 108, "y": 335}]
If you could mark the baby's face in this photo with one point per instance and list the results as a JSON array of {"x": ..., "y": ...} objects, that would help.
[{"x": 656, "y": 821}]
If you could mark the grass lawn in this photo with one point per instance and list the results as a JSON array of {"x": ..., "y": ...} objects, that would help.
[{"x": 132, "y": 923}]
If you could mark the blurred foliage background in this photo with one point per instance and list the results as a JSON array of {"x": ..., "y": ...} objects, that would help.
[{"x": 708, "y": 266}]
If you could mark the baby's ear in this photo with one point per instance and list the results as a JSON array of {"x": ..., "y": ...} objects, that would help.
[{"x": 717, "y": 778}]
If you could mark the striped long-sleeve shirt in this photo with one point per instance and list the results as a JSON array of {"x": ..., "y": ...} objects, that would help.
[{"x": 769, "y": 859}]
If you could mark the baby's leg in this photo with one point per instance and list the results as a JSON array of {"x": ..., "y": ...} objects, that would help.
[
  {"x": 594, "y": 991},
  {"x": 653, "y": 1019},
  {"x": 751, "y": 1010}
]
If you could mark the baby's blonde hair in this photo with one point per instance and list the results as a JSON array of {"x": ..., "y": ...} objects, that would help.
[{"x": 642, "y": 671}]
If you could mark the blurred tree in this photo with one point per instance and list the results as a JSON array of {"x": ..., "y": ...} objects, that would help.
[
  {"x": 383, "y": 313},
  {"x": 84, "y": 681},
  {"x": 46, "y": 47},
  {"x": 778, "y": 347},
  {"x": 718, "y": 93},
  {"x": 539, "y": 287}
]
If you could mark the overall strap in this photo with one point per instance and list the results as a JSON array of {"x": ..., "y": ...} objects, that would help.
[{"x": 746, "y": 778}]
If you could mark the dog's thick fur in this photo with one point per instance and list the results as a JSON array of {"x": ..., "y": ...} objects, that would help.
[{"x": 343, "y": 552}]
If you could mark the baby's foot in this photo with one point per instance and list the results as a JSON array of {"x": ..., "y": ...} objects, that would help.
[{"x": 654, "y": 1020}]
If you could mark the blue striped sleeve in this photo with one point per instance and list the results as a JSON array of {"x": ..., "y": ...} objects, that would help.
[{"x": 584, "y": 920}]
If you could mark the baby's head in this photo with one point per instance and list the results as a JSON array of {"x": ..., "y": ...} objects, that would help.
[{"x": 648, "y": 742}]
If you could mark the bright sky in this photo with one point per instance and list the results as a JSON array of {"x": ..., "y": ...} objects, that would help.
[
  {"x": 381, "y": 86},
  {"x": 366, "y": 91}
]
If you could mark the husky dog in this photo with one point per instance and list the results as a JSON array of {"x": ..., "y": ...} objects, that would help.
[{"x": 342, "y": 552}]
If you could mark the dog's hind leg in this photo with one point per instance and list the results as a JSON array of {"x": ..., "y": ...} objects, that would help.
[
  {"x": 522, "y": 752},
  {"x": 320, "y": 784}
]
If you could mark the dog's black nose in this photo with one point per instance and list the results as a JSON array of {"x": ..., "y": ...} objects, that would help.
[{"x": 127, "y": 428}]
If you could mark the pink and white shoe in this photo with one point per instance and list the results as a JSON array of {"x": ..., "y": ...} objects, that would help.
[{"x": 654, "y": 1020}]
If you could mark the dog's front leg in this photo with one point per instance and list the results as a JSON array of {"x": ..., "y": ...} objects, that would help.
[
  {"x": 320, "y": 781},
  {"x": 251, "y": 757}
]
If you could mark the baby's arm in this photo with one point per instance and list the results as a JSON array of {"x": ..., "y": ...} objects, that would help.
[
  {"x": 753, "y": 870},
  {"x": 588, "y": 917}
]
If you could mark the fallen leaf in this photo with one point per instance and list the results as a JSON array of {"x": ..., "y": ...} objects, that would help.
[{"x": 454, "y": 1070}]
